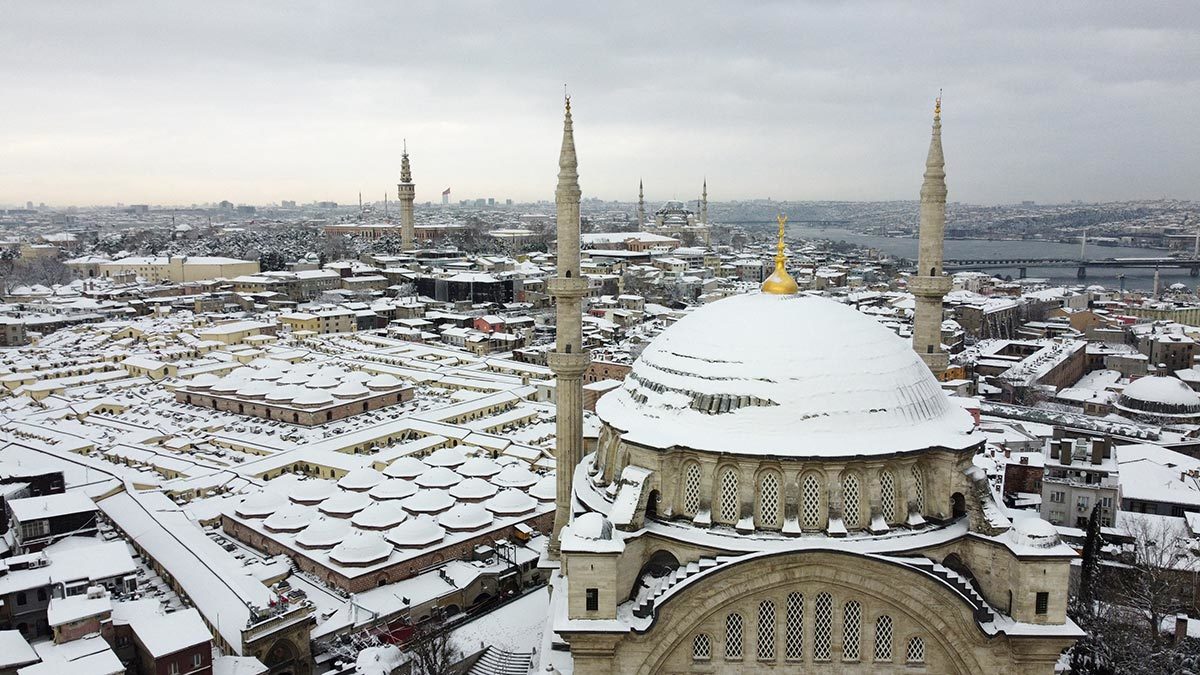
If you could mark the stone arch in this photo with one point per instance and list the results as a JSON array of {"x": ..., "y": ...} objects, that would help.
[
  {"x": 652, "y": 504},
  {"x": 855, "y": 501},
  {"x": 281, "y": 653},
  {"x": 814, "y": 501},
  {"x": 923, "y": 605},
  {"x": 958, "y": 505},
  {"x": 726, "y": 500},
  {"x": 658, "y": 565},
  {"x": 768, "y": 502}
]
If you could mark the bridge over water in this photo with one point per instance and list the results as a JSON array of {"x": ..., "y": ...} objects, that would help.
[{"x": 1081, "y": 265}]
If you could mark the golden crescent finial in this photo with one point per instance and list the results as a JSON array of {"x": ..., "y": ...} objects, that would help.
[
  {"x": 780, "y": 282},
  {"x": 937, "y": 106}
]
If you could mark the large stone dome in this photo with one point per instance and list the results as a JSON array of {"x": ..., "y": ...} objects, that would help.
[{"x": 784, "y": 375}]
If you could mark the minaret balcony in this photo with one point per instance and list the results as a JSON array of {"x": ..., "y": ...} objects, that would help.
[
  {"x": 929, "y": 286},
  {"x": 567, "y": 365},
  {"x": 567, "y": 287}
]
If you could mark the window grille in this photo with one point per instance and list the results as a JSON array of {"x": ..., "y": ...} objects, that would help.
[
  {"x": 794, "y": 637},
  {"x": 883, "y": 638},
  {"x": 850, "y": 501},
  {"x": 701, "y": 647},
  {"x": 768, "y": 499},
  {"x": 851, "y": 621},
  {"x": 766, "y": 630},
  {"x": 822, "y": 632},
  {"x": 887, "y": 496},
  {"x": 916, "y": 650},
  {"x": 918, "y": 489},
  {"x": 812, "y": 502},
  {"x": 729, "y": 495},
  {"x": 691, "y": 489},
  {"x": 733, "y": 636}
]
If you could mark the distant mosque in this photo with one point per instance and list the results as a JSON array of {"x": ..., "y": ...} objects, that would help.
[
  {"x": 781, "y": 485},
  {"x": 675, "y": 220}
]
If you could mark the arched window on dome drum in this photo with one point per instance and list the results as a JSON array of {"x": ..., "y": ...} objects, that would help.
[
  {"x": 729, "y": 496},
  {"x": 766, "y": 631},
  {"x": 823, "y": 628},
  {"x": 691, "y": 490},
  {"x": 768, "y": 500},
  {"x": 701, "y": 647},
  {"x": 733, "y": 636},
  {"x": 811, "y": 496},
  {"x": 918, "y": 488},
  {"x": 883, "y": 638},
  {"x": 851, "y": 623},
  {"x": 794, "y": 636},
  {"x": 887, "y": 495},
  {"x": 851, "y": 502},
  {"x": 916, "y": 650}
]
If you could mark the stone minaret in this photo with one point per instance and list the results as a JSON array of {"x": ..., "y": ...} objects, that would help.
[
  {"x": 406, "y": 190},
  {"x": 568, "y": 360},
  {"x": 704, "y": 203},
  {"x": 929, "y": 286},
  {"x": 641, "y": 207}
]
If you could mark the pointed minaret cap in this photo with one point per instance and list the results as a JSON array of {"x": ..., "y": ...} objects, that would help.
[
  {"x": 405, "y": 168},
  {"x": 780, "y": 282}
]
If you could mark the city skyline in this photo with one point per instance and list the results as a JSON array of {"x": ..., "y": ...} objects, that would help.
[{"x": 129, "y": 103}]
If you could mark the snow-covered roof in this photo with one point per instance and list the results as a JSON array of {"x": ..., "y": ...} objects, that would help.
[{"x": 784, "y": 375}]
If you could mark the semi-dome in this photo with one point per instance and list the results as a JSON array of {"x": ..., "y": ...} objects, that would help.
[
  {"x": 789, "y": 375},
  {"x": 1162, "y": 398}
]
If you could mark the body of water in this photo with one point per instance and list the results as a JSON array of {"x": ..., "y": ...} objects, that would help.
[{"x": 1135, "y": 279}]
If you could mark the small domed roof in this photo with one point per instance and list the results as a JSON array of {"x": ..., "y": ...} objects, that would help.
[
  {"x": 393, "y": 488},
  {"x": 479, "y": 466},
  {"x": 260, "y": 505},
  {"x": 465, "y": 517},
  {"x": 510, "y": 503},
  {"x": 1033, "y": 531},
  {"x": 350, "y": 390},
  {"x": 515, "y": 475},
  {"x": 203, "y": 381},
  {"x": 312, "y": 397},
  {"x": 311, "y": 491},
  {"x": 406, "y": 467},
  {"x": 546, "y": 489},
  {"x": 361, "y": 548},
  {"x": 291, "y": 518},
  {"x": 361, "y": 479},
  {"x": 416, "y": 532},
  {"x": 474, "y": 489},
  {"x": 285, "y": 392},
  {"x": 428, "y": 501},
  {"x": 438, "y": 477},
  {"x": 592, "y": 525},
  {"x": 323, "y": 532},
  {"x": 380, "y": 516},
  {"x": 1166, "y": 392},
  {"x": 345, "y": 503},
  {"x": 383, "y": 381},
  {"x": 449, "y": 457}
]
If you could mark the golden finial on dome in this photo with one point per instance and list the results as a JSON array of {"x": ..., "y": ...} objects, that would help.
[
  {"x": 937, "y": 106},
  {"x": 780, "y": 282}
]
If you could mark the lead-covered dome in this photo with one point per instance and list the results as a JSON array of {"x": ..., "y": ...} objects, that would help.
[
  {"x": 789, "y": 375},
  {"x": 1164, "y": 399}
]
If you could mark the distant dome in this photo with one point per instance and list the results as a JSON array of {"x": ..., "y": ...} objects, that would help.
[
  {"x": 789, "y": 375},
  {"x": 1161, "y": 399},
  {"x": 1033, "y": 532},
  {"x": 383, "y": 381}
]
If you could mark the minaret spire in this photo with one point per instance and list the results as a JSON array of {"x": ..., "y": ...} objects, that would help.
[
  {"x": 568, "y": 360},
  {"x": 704, "y": 203},
  {"x": 642, "y": 206},
  {"x": 929, "y": 285},
  {"x": 406, "y": 191}
]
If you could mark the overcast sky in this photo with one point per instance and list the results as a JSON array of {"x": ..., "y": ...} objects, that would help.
[{"x": 183, "y": 102}]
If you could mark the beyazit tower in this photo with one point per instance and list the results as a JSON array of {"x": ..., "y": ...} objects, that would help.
[
  {"x": 929, "y": 286},
  {"x": 406, "y": 190},
  {"x": 568, "y": 360}
]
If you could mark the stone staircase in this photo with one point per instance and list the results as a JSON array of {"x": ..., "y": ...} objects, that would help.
[
  {"x": 499, "y": 662},
  {"x": 646, "y": 607},
  {"x": 982, "y": 610}
]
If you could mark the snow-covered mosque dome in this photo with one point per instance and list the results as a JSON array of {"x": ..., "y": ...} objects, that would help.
[
  {"x": 1160, "y": 399},
  {"x": 784, "y": 375}
]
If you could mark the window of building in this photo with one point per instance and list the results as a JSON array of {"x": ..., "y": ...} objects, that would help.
[
  {"x": 823, "y": 630},
  {"x": 794, "y": 635},
  {"x": 851, "y": 622},
  {"x": 883, "y": 638},
  {"x": 887, "y": 496},
  {"x": 729, "y": 495},
  {"x": 593, "y": 599},
  {"x": 918, "y": 489},
  {"x": 701, "y": 647},
  {"x": 197, "y": 660},
  {"x": 733, "y": 636},
  {"x": 172, "y": 668},
  {"x": 811, "y": 494},
  {"x": 1083, "y": 503},
  {"x": 41, "y": 595},
  {"x": 1106, "y": 502},
  {"x": 1057, "y": 496},
  {"x": 691, "y": 489},
  {"x": 21, "y": 599},
  {"x": 768, "y": 500},
  {"x": 1042, "y": 603},
  {"x": 766, "y": 631},
  {"x": 916, "y": 650},
  {"x": 850, "y": 501}
]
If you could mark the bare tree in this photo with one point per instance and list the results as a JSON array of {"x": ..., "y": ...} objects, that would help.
[
  {"x": 433, "y": 650},
  {"x": 1157, "y": 583}
]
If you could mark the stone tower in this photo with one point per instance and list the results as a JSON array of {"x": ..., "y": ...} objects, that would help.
[
  {"x": 407, "y": 191},
  {"x": 568, "y": 360},
  {"x": 704, "y": 203},
  {"x": 641, "y": 207},
  {"x": 929, "y": 286}
]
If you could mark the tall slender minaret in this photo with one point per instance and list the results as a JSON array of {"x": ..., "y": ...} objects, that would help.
[
  {"x": 407, "y": 191},
  {"x": 929, "y": 286},
  {"x": 704, "y": 203},
  {"x": 568, "y": 360},
  {"x": 642, "y": 206}
]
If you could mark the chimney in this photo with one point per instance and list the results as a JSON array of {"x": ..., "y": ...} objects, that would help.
[
  {"x": 1066, "y": 452},
  {"x": 1053, "y": 449},
  {"x": 1007, "y": 452},
  {"x": 1107, "y": 447},
  {"x": 1181, "y": 626},
  {"x": 1097, "y": 451}
]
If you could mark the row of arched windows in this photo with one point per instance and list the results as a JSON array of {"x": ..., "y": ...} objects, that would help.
[
  {"x": 877, "y": 646},
  {"x": 813, "y": 500}
]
